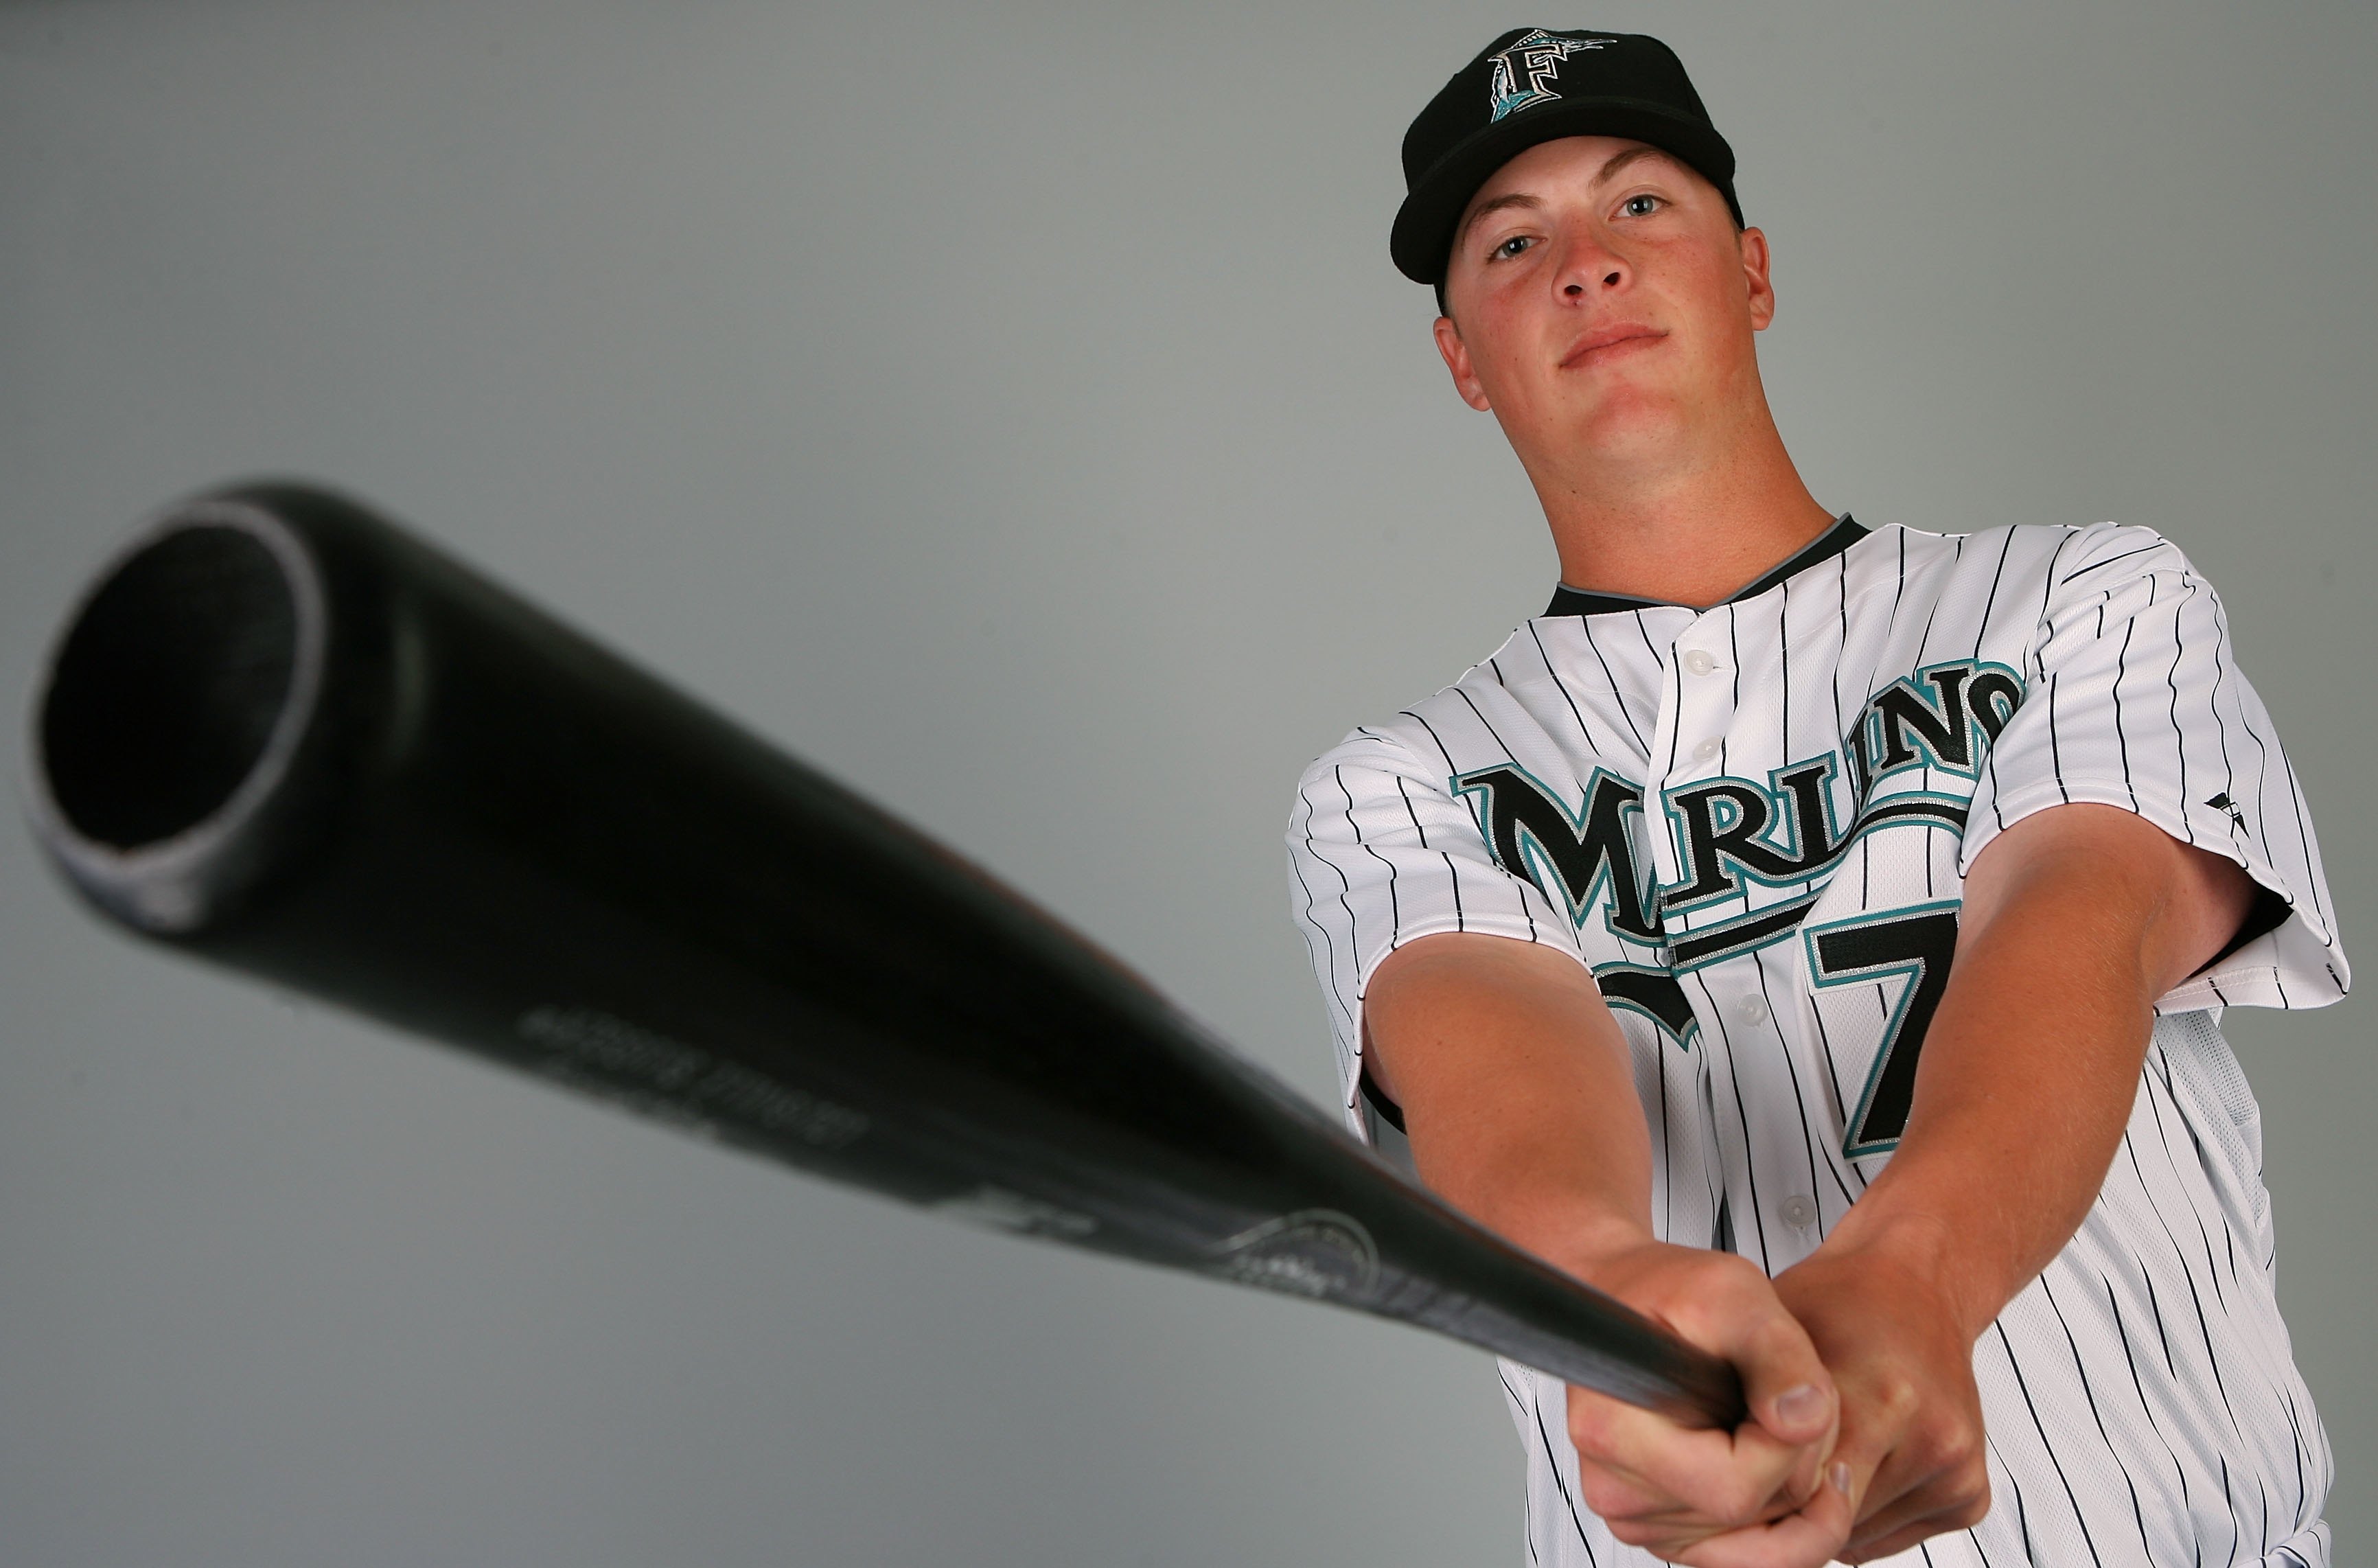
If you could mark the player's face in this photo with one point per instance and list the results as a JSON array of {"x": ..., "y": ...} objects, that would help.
[{"x": 1603, "y": 303}]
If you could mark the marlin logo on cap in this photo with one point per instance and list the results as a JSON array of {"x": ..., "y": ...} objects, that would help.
[{"x": 1536, "y": 60}]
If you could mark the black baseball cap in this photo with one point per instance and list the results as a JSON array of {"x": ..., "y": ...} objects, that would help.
[{"x": 1532, "y": 85}]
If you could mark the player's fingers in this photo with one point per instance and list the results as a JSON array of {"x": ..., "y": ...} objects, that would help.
[
  {"x": 1727, "y": 1306},
  {"x": 1947, "y": 1495},
  {"x": 1655, "y": 1523},
  {"x": 1633, "y": 1464},
  {"x": 1790, "y": 1394},
  {"x": 1617, "y": 1493},
  {"x": 1810, "y": 1536},
  {"x": 1784, "y": 1380},
  {"x": 1928, "y": 1467},
  {"x": 1860, "y": 1464},
  {"x": 1621, "y": 1496}
]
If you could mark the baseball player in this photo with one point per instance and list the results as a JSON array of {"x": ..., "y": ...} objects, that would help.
[{"x": 1816, "y": 935}]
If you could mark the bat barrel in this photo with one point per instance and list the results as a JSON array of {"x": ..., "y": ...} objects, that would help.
[
  {"x": 172, "y": 707},
  {"x": 284, "y": 735}
]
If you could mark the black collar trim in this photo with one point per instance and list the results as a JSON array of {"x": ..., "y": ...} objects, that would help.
[{"x": 1835, "y": 540}]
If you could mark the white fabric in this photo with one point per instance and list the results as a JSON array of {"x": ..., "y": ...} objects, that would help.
[{"x": 1752, "y": 823}]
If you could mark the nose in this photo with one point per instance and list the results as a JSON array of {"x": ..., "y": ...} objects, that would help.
[{"x": 1591, "y": 269}]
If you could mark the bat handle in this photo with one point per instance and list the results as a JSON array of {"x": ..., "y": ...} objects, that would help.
[{"x": 1709, "y": 1394}]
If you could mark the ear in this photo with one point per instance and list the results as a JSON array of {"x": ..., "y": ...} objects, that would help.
[
  {"x": 1762, "y": 288},
  {"x": 1456, "y": 360}
]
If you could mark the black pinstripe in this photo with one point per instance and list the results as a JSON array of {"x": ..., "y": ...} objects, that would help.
[
  {"x": 2032, "y": 1406},
  {"x": 2080, "y": 1376},
  {"x": 2091, "y": 620},
  {"x": 2138, "y": 1384}
]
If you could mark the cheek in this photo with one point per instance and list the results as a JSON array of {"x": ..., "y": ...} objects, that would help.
[
  {"x": 1508, "y": 347},
  {"x": 1511, "y": 377},
  {"x": 1718, "y": 291}
]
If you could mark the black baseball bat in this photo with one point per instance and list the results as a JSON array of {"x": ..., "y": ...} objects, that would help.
[{"x": 287, "y": 736}]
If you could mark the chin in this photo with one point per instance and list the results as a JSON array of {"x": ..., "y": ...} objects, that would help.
[{"x": 1631, "y": 422}]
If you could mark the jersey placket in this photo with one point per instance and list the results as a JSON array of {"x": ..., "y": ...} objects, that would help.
[
  {"x": 1881, "y": 715},
  {"x": 1700, "y": 708}
]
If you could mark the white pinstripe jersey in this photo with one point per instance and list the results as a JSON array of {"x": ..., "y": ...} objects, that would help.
[{"x": 1752, "y": 823}]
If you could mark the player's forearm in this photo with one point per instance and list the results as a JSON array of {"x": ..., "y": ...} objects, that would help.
[
  {"x": 2031, "y": 1068},
  {"x": 1517, "y": 1093},
  {"x": 2026, "y": 1082}
]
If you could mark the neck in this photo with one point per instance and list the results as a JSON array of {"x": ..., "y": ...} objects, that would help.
[{"x": 1686, "y": 527}]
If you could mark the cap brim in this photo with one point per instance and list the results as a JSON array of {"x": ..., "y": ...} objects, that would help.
[{"x": 1423, "y": 231}]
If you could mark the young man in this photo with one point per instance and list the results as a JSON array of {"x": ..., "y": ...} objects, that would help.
[{"x": 1814, "y": 935}]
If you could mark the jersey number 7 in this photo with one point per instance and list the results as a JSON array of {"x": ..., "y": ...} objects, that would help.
[{"x": 1917, "y": 944}]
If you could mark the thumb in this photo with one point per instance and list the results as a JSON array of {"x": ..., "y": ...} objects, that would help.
[
  {"x": 1800, "y": 1412},
  {"x": 1791, "y": 1395},
  {"x": 1784, "y": 1383}
]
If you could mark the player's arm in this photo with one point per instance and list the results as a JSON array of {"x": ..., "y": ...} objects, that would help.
[
  {"x": 1519, "y": 1101},
  {"x": 2075, "y": 921}
]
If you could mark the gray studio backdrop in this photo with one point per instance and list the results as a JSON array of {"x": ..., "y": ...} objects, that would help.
[{"x": 1010, "y": 408}]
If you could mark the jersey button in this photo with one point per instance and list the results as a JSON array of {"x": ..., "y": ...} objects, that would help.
[
  {"x": 1706, "y": 750},
  {"x": 1699, "y": 662},
  {"x": 1797, "y": 1210},
  {"x": 1754, "y": 1010}
]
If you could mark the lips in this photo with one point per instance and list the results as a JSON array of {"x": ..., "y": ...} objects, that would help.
[{"x": 1614, "y": 336}]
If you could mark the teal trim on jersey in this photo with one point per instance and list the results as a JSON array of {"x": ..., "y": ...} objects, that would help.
[
  {"x": 1780, "y": 803},
  {"x": 1614, "y": 995},
  {"x": 1910, "y": 968},
  {"x": 1708, "y": 943},
  {"x": 1972, "y": 728},
  {"x": 1542, "y": 867},
  {"x": 1724, "y": 941},
  {"x": 1931, "y": 808},
  {"x": 1946, "y": 812},
  {"x": 1847, "y": 531}
]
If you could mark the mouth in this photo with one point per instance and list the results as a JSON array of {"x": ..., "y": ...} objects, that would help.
[{"x": 1610, "y": 342}]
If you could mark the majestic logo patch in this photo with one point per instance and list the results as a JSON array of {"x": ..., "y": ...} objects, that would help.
[{"x": 1524, "y": 73}]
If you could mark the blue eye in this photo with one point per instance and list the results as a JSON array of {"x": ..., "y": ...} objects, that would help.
[
  {"x": 1510, "y": 248},
  {"x": 1640, "y": 205}
]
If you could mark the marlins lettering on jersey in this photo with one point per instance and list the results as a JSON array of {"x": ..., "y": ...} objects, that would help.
[{"x": 1752, "y": 823}]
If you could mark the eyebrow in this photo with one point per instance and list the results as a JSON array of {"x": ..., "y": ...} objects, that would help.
[
  {"x": 1617, "y": 162},
  {"x": 1515, "y": 198}
]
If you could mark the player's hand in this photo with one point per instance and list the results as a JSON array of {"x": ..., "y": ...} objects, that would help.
[
  {"x": 1911, "y": 1418},
  {"x": 1758, "y": 1497}
]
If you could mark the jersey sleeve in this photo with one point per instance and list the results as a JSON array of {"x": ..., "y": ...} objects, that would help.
[
  {"x": 1381, "y": 853},
  {"x": 2134, "y": 699}
]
